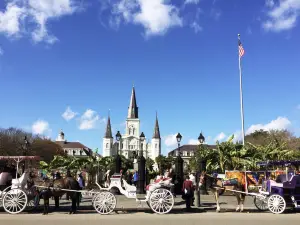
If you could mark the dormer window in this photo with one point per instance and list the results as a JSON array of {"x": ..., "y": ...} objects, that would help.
[{"x": 80, "y": 152}]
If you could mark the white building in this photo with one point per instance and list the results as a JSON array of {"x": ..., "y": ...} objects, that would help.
[
  {"x": 130, "y": 141},
  {"x": 73, "y": 148}
]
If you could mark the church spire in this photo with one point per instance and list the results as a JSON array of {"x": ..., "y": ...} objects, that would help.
[
  {"x": 156, "y": 133},
  {"x": 133, "y": 112},
  {"x": 108, "y": 133}
]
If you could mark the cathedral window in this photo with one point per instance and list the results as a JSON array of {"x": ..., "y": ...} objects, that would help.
[
  {"x": 106, "y": 145},
  {"x": 133, "y": 131},
  {"x": 142, "y": 146},
  {"x": 122, "y": 146},
  {"x": 129, "y": 131},
  {"x": 155, "y": 145}
]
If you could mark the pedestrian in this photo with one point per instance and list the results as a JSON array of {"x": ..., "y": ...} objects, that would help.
[
  {"x": 81, "y": 183},
  {"x": 129, "y": 177},
  {"x": 187, "y": 189},
  {"x": 193, "y": 179},
  {"x": 135, "y": 178}
]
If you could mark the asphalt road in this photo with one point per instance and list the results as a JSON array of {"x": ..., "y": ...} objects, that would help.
[{"x": 141, "y": 218}]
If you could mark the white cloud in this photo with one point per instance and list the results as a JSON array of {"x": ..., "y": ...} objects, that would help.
[
  {"x": 270, "y": 3},
  {"x": 193, "y": 142},
  {"x": 40, "y": 127},
  {"x": 282, "y": 16},
  {"x": 69, "y": 114},
  {"x": 196, "y": 27},
  {"x": 191, "y": 2},
  {"x": 221, "y": 136},
  {"x": 37, "y": 13},
  {"x": 44, "y": 10},
  {"x": 156, "y": 16},
  {"x": 281, "y": 123},
  {"x": 89, "y": 120},
  {"x": 170, "y": 140},
  {"x": 11, "y": 18}
]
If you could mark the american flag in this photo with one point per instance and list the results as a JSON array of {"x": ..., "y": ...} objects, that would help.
[{"x": 241, "y": 49}]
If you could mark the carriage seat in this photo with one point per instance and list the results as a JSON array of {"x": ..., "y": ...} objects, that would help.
[
  {"x": 166, "y": 182},
  {"x": 293, "y": 182},
  {"x": 5, "y": 177},
  {"x": 20, "y": 182},
  {"x": 128, "y": 187}
]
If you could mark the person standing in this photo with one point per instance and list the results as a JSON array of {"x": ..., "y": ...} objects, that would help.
[
  {"x": 193, "y": 179},
  {"x": 135, "y": 178},
  {"x": 187, "y": 189},
  {"x": 81, "y": 183}
]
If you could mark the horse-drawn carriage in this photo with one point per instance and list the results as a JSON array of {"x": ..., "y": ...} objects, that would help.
[
  {"x": 158, "y": 195},
  {"x": 277, "y": 190},
  {"x": 15, "y": 195}
]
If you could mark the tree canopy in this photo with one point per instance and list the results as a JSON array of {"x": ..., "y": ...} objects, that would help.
[
  {"x": 12, "y": 144},
  {"x": 260, "y": 146}
]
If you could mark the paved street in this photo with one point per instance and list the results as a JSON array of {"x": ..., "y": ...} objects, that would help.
[
  {"x": 128, "y": 212},
  {"x": 150, "y": 219}
]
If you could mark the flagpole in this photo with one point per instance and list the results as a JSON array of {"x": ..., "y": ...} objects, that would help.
[{"x": 241, "y": 95}]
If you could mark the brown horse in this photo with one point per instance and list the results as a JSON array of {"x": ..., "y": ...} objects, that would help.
[
  {"x": 216, "y": 186},
  {"x": 52, "y": 188}
]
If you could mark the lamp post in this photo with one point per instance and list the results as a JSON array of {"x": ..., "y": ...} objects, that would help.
[
  {"x": 118, "y": 160},
  {"x": 25, "y": 149},
  {"x": 178, "y": 167},
  {"x": 201, "y": 140},
  {"x": 141, "y": 168}
]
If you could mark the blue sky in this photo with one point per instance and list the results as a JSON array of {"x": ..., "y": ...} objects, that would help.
[{"x": 181, "y": 56}]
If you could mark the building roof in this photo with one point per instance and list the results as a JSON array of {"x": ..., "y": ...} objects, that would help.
[
  {"x": 133, "y": 110},
  {"x": 190, "y": 148},
  {"x": 108, "y": 133},
  {"x": 66, "y": 144},
  {"x": 156, "y": 133}
]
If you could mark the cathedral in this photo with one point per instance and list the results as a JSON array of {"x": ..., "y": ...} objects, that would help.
[{"x": 130, "y": 142}]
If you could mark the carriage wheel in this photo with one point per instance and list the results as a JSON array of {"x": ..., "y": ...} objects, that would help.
[
  {"x": 276, "y": 204},
  {"x": 261, "y": 203},
  {"x": 105, "y": 203},
  {"x": 161, "y": 201},
  {"x": 14, "y": 201}
]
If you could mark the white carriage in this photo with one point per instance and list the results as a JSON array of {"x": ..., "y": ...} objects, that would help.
[
  {"x": 16, "y": 197},
  {"x": 158, "y": 196}
]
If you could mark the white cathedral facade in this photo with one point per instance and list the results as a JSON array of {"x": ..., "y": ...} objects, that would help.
[{"x": 130, "y": 141}]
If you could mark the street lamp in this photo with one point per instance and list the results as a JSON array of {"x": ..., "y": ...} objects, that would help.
[
  {"x": 25, "y": 148},
  {"x": 118, "y": 160},
  {"x": 201, "y": 138},
  {"x": 178, "y": 167},
  {"x": 141, "y": 168}
]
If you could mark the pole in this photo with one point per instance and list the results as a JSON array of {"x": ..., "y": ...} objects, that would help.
[{"x": 241, "y": 94}]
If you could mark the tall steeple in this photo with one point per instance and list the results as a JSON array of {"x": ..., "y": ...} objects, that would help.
[
  {"x": 108, "y": 133},
  {"x": 133, "y": 110},
  {"x": 156, "y": 133}
]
